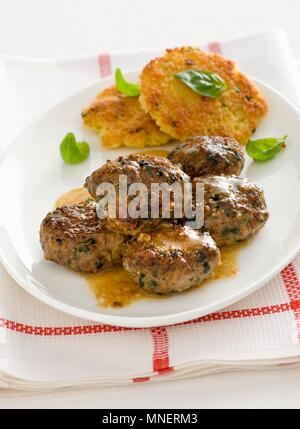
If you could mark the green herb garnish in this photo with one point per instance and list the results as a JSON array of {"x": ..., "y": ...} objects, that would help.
[
  {"x": 204, "y": 82},
  {"x": 265, "y": 149},
  {"x": 73, "y": 152},
  {"x": 127, "y": 88}
]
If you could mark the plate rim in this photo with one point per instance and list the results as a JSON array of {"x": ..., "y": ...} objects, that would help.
[{"x": 138, "y": 321}]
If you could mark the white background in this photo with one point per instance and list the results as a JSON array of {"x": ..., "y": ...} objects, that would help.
[
  {"x": 59, "y": 28},
  {"x": 66, "y": 28}
]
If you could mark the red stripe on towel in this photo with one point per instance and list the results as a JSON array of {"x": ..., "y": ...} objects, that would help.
[
  {"x": 105, "y": 67},
  {"x": 160, "y": 350},
  {"x": 247, "y": 313},
  {"x": 140, "y": 379},
  {"x": 215, "y": 47},
  {"x": 292, "y": 286},
  {"x": 160, "y": 336}
]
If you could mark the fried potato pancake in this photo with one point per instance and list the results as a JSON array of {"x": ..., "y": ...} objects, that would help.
[
  {"x": 181, "y": 112},
  {"x": 121, "y": 121}
]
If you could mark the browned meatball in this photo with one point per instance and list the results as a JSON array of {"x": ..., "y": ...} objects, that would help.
[
  {"x": 234, "y": 208},
  {"x": 74, "y": 236},
  {"x": 172, "y": 258},
  {"x": 137, "y": 168},
  {"x": 201, "y": 155}
]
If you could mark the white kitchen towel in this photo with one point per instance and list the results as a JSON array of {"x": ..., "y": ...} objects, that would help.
[{"x": 42, "y": 348}]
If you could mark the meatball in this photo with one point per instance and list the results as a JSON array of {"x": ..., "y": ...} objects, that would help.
[
  {"x": 75, "y": 237},
  {"x": 137, "y": 168},
  {"x": 234, "y": 208},
  {"x": 171, "y": 259},
  {"x": 201, "y": 155}
]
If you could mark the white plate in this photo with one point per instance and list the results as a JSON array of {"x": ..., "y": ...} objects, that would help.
[{"x": 32, "y": 176}]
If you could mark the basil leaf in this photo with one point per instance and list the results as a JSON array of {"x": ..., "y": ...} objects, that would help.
[
  {"x": 73, "y": 152},
  {"x": 127, "y": 88},
  {"x": 265, "y": 149},
  {"x": 204, "y": 82}
]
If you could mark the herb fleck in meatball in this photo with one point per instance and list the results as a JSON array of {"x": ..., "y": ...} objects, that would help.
[
  {"x": 172, "y": 258},
  {"x": 75, "y": 237},
  {"x": 234, "y": 208},
  {"x": 201, "y": 155}
]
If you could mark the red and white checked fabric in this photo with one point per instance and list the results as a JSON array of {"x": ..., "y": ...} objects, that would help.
[{"x": 42, "y": 348}]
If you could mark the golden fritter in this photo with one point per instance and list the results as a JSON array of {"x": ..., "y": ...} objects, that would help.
[
  {"x": 181, "y": 112},
  {"x": 121, "y": 121}
]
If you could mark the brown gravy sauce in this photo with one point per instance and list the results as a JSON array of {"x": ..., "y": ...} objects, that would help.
[
  {"x": 155, "y": 152},
  {"x": 115, "y": 288},
  {"x": 229, "y": 266},
  {"x": 74, "y": 196}
]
